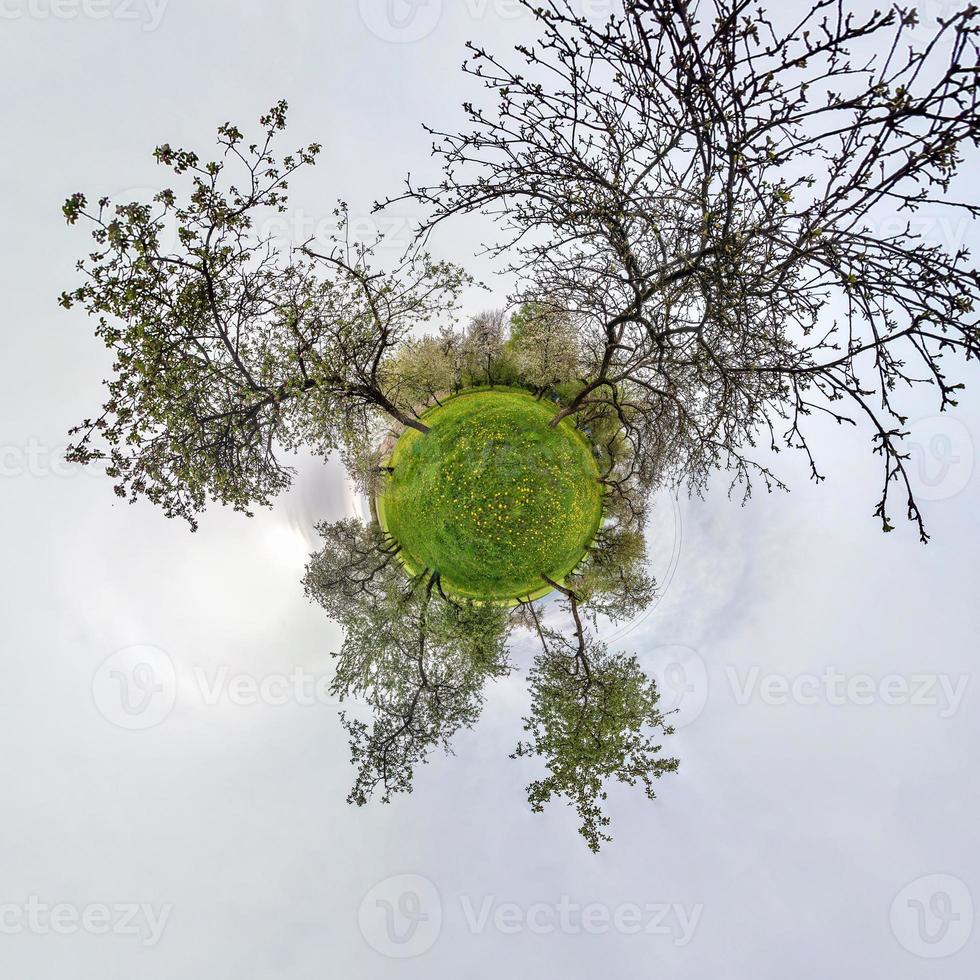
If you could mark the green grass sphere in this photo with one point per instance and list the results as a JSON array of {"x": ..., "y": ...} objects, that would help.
[{"x": 492, "y": 498}]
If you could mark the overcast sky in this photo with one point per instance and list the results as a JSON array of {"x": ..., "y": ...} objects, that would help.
[{"x": 172, "y": 780}]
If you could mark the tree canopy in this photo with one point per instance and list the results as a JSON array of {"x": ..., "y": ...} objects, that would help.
[
  {"x": 594, "y": 718},
  {"x": 228, "y": 351},
  {"x": 696, "y": 201},
  {"x": 417, "y": 659},
  {"x": 700, "y": 187}
]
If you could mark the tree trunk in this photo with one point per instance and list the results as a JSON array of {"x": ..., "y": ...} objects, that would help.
[
  {"x": 412, "y": 423},
  {"x": 399, "y": 416},
  {"x": 576, "y": 403},
  {"x": 563, "y": 414}
]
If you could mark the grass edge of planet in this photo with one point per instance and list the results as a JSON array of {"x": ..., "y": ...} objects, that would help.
[{"x": 566, "y": 438}]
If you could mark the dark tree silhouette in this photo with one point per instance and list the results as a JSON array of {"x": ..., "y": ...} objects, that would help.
[{"x": 701, "y": 186}]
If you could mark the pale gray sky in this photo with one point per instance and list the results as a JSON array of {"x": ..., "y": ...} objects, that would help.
[{"x": 823, "y": 822}]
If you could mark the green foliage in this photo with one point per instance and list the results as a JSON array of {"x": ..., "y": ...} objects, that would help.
[
  {"x": 614, "y": 580},
  {"x": 228, "y": 351},
  {"x": 357, "y": 565},
  {"x": 426, "y": 369},
  {"x": 543, "y": 346},
  {"x": 594, "y": 719},
  {"x": 709, "y": 207},
  {"x": 202, "y": 378},
  {"x": 683, "y": 259},
  {"x": 493, "y": 497},
  {"x": 484, "y": 350},
  {"x": 418, "y": 660}
]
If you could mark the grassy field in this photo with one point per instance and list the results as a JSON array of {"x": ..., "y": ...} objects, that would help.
[{"x": 492, "y": 497}]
